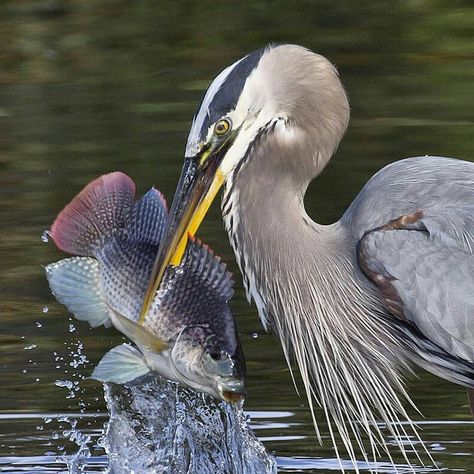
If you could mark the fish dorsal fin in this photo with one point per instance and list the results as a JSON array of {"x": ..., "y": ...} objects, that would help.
[
  {"x": 94, "y": 214},
  {"x": 199, "y": 258},
  {"x": 75, "y": 282},
  {"x": 103, "y": 221},
  {"x": 127, "y": 258},
  {"x": 147, "y": 219}
]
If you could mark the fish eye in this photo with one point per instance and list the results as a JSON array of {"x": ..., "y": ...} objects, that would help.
[
  {"x": 220, "y": 362},
  {"x": 216, "y": 355},
  {"x": 222, "y": 127}
]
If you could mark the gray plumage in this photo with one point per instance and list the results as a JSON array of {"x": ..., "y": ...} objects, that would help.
[
  {"x": 429, "y": 262},
  {"x": 357, "y": 301}
]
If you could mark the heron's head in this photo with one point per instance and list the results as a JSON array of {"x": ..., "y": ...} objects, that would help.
[
  {"x": 285, "y": 95},
  {"x": 282, "y": 99}
]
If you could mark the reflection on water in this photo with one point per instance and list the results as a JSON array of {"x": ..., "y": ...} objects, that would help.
[
  {"x": 134, "y": 439},
  {"x": 91, "y": 87}
]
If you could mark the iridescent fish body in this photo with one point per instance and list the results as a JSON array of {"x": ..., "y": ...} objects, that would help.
[{"x": 189, "y": 333}]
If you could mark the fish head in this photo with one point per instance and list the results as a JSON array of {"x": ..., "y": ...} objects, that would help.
[
  {"x": 192, "y": 303},
  {"x": 209, "y": 362}
]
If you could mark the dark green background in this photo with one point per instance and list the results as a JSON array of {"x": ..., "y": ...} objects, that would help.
[{"x": 91, "y": 86}]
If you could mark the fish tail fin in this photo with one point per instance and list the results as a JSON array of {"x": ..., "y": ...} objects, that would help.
[
  {"x": 94, "y": 215},
  {"x": 121, "y": 364},
  {"x": 75, "y": 284},
  {"x": 201, "y": 259}
]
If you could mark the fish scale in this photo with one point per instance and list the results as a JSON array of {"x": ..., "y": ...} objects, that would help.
[
  {"x": 126, "y": 268},
  {"x": 189, "y": 332}
]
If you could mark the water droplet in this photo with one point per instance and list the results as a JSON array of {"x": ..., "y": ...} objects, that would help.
[
  {"x": 37, "y": 379},
  {"x": 254, "y": 335},
  {"x": 28, "y": 348},
  {"x": 38, "y": 324},
  {"x": 64, "y": 383},
  {"x": 24, "y": 371},
  {"x": 47, "y": 419},
  {"x": 72, "y": 328},
  {"x": 45, "y": 236},
  {"x": 45, "y": 309}
]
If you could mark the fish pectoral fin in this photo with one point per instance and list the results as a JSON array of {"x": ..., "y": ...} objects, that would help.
[
  {"x": 121, "y": 364},
  {"x": 139, "y": 334},
  {"x": 76, "y": 284}
]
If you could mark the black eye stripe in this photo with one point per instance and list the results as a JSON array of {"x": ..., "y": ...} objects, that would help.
[{"x": 228, "y": 94}]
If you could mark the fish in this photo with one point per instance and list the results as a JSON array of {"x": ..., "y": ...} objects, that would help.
[{"x": 189, "y": 334}]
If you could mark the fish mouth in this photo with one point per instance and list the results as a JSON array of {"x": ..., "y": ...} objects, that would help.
[{"x": 231, "y": 391}]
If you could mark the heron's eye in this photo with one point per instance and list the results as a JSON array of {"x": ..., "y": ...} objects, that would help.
[{"x": 222, "y": 127}]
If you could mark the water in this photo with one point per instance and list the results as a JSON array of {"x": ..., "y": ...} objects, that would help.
[
  {"x": 91, "y": 87},
  {"x": 172, "y": 430}
]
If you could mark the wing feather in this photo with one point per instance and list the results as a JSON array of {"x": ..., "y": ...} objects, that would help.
[{"x": 424, "y": 269}]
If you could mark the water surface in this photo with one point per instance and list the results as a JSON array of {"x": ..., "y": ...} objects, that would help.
[{"x": 91, "y": 87}]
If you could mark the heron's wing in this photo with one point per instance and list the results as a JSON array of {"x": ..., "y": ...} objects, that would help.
[{"x": 423, "y": 264}]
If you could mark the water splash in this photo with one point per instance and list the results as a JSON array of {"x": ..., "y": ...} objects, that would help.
[
  {"x": 45, "y": 236},
  {"x": 65, "y": 384},
  {"x": 158, "y": 426},
  {"x": 77, "y": 462}
]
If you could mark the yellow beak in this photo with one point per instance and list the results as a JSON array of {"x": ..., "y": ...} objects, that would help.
[
  {"x": 198, "y": 185},
  {"x": 197, "y": 217}
]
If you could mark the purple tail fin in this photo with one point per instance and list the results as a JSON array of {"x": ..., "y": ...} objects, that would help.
[{"x": 95, "y": 214}]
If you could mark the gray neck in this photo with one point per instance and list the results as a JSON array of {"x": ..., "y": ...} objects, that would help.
[
  {"x": 278, "y": 247},
  {"x": 304, "y": 280}
]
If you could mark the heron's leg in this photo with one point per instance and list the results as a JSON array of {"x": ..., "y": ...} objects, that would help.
[{"x": 470, "y": 397}]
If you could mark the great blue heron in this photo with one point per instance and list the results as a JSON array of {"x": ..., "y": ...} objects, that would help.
[{"x": 357, "y": 301}]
